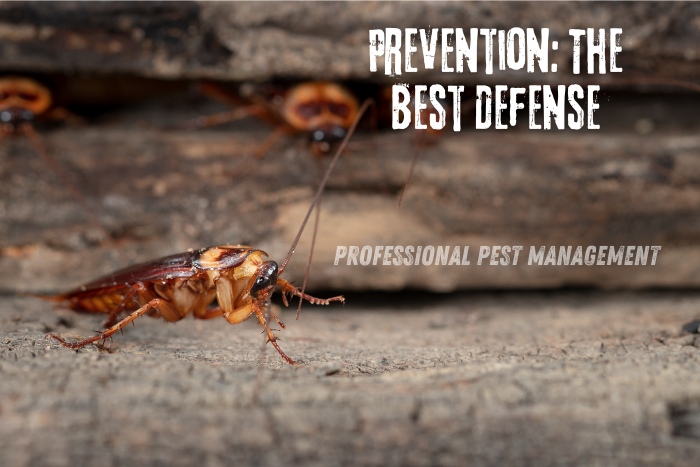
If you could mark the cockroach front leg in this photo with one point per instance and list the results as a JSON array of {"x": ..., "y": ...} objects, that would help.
[
  {"x": 271, "y": 338},
  {"x": 241, "y": 314},
  {"x": 107, "y": 333}
]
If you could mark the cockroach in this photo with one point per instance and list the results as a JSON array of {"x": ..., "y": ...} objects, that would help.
[
  {"x": 238, "y": 277},
  {"x": 322, "y": 110},
  {"x": 23, "y": 101}
]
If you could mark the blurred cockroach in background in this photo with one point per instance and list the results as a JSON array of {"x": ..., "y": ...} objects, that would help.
[
  {"x": 324, "y": 111},
  {"x": 22, "y": 102},
  {"x": 238, "y": 277},
  {"x": 318, "y": 111}
]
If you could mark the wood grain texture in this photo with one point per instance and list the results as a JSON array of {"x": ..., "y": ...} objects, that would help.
[
  {"x": 241, "y": 41},
  {"x": 550, "y": 379},
  {"x": 542, "y": 378},
  {"x": 162, "y": 192}
]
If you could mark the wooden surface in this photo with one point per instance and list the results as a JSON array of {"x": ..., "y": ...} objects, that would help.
[
  {"x": 556, "y": 379},
  {"x": 158, "y": 192},
  {"x": 161, "y": 192},
  {"x": 241, "y": 41},
  {"x": 544, "y": 376}
]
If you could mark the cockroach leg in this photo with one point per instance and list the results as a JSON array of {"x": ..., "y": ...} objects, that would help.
[
  {"x": 222, "y": 117},
  {"x": 216, "y": 92},
  {"x": 64, "y": 115},
  {"x": 113, "y": 317},
  {"x": 270, "y": 336},
  {"x": 277, "y": 320},
  {"x": 28, "y": 130},
  {"x": 240, "y": 314},
  {"x": 259, "y": 151},
  {"x": 270, "y": 141},
  {"x": 153, "y": 304},
  {"x": 237, "y": 276},
  {"x": 284, "y": 299},
  {"x": 210, "y": 313}
]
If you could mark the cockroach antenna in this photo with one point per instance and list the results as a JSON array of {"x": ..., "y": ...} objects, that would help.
[
  {"x": 324, "y": 181},
  {"x": 237, "y": 276},
  {"x": 315, "y": 203}
]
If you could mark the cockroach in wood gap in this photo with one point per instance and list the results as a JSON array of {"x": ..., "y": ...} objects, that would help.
[
  {"x": 323, "y": 111},
  {"x": 238, "y": 277},
  {"x": 22, "y": 102}
]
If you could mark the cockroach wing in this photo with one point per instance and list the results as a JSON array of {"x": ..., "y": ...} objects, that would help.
[{"x": 181, "y": 265}]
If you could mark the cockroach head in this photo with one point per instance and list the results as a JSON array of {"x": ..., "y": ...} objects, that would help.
[
  {"x": 323, "y": 140},
  {"x": 15, "y": 116},
  {"x": 265, "y": 278}
]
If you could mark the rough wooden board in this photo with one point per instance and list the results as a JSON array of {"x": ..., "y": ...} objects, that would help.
[
  {"x": 556, "y": 379},
  {"x": 162, "y": 192},
  {"x": 241, "y": 41}
]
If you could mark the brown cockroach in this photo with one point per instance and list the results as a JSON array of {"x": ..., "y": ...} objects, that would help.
[
  {"x": 322, "y": 110},
  {"x": 23, "y": 101},
  {"x": 238, "y": 277}
]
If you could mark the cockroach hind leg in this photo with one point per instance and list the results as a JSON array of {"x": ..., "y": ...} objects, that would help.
[
  {"x": 65, "y": 343},
  {"x": 107, "y": 333}
]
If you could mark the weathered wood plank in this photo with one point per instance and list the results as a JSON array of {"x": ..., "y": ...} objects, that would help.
[
  {"x": 241, "y": 41},
  {"x": 575, "y": 379},
  {"x": 158, "y": 192},
  {"x": 161, "y": 192}
]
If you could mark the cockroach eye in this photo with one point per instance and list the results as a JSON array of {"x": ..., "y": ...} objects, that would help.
[
  {"x": 329, "y": 135},
  {"x": 337, "y": 133},
  {"x": 26, "y": 116},
  {"x": 318, "y": 136},
  {"x": 15, "y": 115},
  {"x": 267, "y": 276}
]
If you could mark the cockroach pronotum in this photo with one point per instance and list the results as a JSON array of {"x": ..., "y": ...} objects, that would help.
[
  {"x": 238, "y": 277},
  {"x": 322, "y": 110}
]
